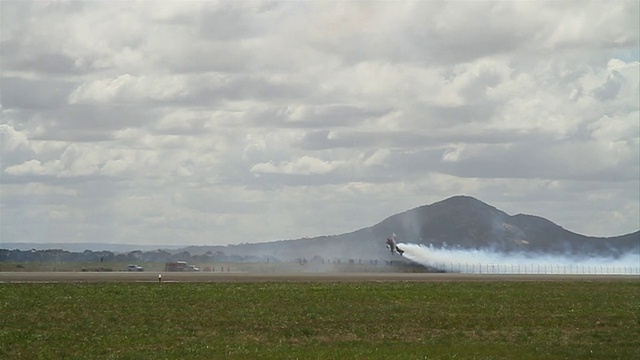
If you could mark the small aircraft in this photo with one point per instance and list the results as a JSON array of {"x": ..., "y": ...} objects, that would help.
[{"x": 391, "y": 244}]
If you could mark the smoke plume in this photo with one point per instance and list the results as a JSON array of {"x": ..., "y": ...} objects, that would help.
[{"x": 487, "y": 261}]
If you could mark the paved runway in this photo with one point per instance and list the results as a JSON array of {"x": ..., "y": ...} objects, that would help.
[{"x": 94, "y": 277}]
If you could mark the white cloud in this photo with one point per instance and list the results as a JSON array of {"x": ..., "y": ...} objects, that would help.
[
  {"x": 305, "y": 165},
  {"x": 126, "y": 88},
  {"x": 377, "y": 158},
  {"x": 618, "y": 127},
  {"x": 31, "y": 167}
]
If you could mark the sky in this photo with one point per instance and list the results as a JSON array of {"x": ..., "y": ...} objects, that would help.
[{"x": 239, "y": 122}]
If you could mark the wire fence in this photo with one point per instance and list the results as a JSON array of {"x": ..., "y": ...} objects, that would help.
[{"x": 565, "y": 269}]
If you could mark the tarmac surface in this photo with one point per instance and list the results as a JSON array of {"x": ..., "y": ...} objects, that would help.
[{"x": 96, "y": 277}]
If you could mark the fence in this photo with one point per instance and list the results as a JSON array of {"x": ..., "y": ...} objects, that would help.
[{"x": 566, "y": 269}]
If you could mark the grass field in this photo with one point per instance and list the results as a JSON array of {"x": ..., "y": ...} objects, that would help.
[{"x": 440, "y": 320}]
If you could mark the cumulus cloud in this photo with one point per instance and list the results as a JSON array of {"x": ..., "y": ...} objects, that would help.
[
  {"x": 305, "y": 165},
  {"x": 166, "y": 122}
]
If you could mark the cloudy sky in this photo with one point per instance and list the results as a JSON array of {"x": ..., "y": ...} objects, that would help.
[{"x": 228, "y": 122}]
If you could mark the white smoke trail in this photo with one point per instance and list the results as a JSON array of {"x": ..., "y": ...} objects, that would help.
[{"x": 486, "y": 261}]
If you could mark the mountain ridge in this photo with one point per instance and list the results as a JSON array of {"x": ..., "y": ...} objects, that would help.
[
  {"x": 460, "y": 222},
  {"x": 457, "y": 222}
]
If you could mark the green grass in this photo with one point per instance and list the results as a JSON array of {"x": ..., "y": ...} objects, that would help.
[{"x": 443, "y": 320}]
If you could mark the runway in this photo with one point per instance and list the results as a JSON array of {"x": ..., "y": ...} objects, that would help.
[{"x": 169, "y": 277}]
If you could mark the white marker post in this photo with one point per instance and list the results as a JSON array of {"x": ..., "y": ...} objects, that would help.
[{"x": 159, "y": 277}]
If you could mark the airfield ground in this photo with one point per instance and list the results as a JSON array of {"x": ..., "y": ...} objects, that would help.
[{"x": 128, "y": 315}]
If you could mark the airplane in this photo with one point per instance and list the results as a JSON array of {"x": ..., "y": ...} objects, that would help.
[{"x": 391, "y": 244}]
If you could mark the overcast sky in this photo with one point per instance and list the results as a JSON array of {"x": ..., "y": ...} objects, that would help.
[{"x": 228, "y": 122}]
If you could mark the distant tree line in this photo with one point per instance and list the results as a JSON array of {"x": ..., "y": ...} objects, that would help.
[{"x": 137, "y": 256}]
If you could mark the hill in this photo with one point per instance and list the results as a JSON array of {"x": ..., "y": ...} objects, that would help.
[{"x": 460, "y": 222}]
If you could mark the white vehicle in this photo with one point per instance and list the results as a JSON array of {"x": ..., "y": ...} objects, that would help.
[
  {"x": 134, "y": 268},
  {"x": 180, "y": 266},
  {"x": 193, "y": 268}
]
